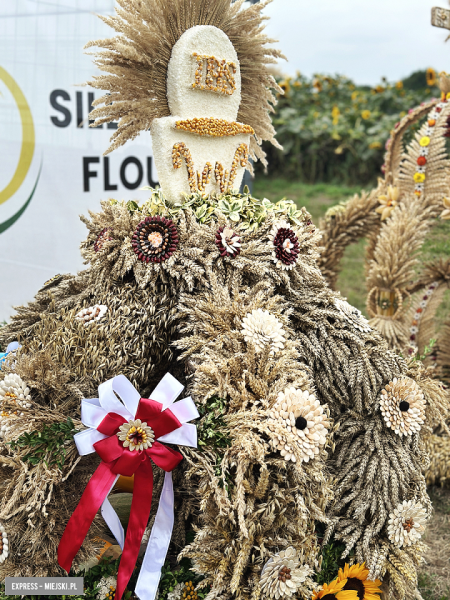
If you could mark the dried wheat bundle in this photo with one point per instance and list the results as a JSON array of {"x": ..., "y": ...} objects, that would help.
[
  {"x": 344, "y": 226},
  {"x": 135, "y": 63},
  {"x": 272, "y": 498}
]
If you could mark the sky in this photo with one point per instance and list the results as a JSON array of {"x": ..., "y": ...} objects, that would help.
[{"x": 363, "y": 39}]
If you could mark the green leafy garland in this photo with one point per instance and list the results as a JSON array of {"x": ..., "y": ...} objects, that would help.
[
  {"x": 250, "y": 211},
  {"x": 48, "y": 445}
]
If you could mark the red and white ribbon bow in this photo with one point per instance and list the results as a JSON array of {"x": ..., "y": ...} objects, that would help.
[{"x": 104, "y": 416}]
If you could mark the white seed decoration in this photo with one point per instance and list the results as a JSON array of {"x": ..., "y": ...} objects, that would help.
[
  {"x": 261, "y": 328},
  {"x": 91, "y": 314},
  {"x": 407, "y": 523},
  {"x": 299, "y": 425},
  {"x": 402, "y": 405},
  {"x": 282, "y": 575}
]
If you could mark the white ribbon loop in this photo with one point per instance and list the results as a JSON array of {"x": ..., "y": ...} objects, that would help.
[
  {"x": 112, "y": 519},
  {"x": 183, "y": 436},
  {"x": 110, "y": 402},
  {"x": 86, "y": 439},
  {"x": 167, "y": 390},
  {"x": 185, "y": 410},
  {"x": 92, "y": 414}
]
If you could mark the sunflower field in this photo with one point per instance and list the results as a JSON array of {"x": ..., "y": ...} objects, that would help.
[{"x": 333, "y": 130}]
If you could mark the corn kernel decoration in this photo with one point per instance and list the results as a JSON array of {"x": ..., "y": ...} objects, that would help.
[{"x": 217, "y": 77}]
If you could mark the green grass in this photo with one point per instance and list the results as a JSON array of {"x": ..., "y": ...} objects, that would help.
[{"x": 317, "y": 198}]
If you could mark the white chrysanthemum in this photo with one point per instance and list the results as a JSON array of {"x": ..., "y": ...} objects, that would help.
[
  {"x": 261, "y": 328},
  {"x": 407, "y": 523},
  {"x": 107, "y": 588},
  {"x": 136, "y": 435},
  {"x": 282, "y": 575},
  {"x": 176, "y": 593},
  {"x": 352, "y": 315},
  {"x": 12, "y": 389},
  {"x": 91, "y": 314},
  {"x": 4, "y": 545},
  {"x": 402, "y": 405},
  {"x": 299, "y": 425}
]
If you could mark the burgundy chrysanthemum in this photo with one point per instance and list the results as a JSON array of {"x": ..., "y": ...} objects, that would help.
[
  {"x": 103, "y": 236},
  {"x": 228, "y": 242},
  {"x": 155, "y": 239},
  {"x": 285, "y": 244}
]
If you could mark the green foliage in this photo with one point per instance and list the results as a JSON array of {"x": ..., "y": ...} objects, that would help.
[
  {"x": 171, "y": 577},
  {"x": 237, "y": 207},
  {"x": 48, "y": 445},
  {"x": 333, "y": 130},
  {"x": 212, "y": 430},
  {"x": 427, "y": 350},
  {"x": 213, "y": 433},
  {"x": 428, "y": 588},
  {"x": 331, "y": 561}
]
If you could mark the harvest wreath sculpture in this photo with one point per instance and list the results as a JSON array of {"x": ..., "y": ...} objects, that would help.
[{"x": 310, "y": 426}]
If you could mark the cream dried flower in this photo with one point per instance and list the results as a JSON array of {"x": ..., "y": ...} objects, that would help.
[
  {"x": 136, "y": 435},
  {"x": 261, "y": 328},
  {"x": 91, "y": 314},
  {"x": 176, "y": 593},
  {"x": 299, "y": 425},
  {"x": 388, "y": 202},
  {"x": 402, "y": 405},
  {"x": 352, "y": 315},
  {"x": 445, "y": 214},
  {"x": 107, "y": 587},
  {"x": 407, "y": 523},
  {"x": 282, "y": 574}
]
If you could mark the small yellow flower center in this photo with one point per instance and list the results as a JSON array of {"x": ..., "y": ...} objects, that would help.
[{"x": 136, "y": 435}]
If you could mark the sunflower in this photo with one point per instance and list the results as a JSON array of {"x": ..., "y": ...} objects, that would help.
[
  {"x": 334, "y": 590},
  {"x": 356, "y": 579}
]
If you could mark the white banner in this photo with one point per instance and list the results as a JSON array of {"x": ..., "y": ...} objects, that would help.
[{"x": 52, "y": 167}]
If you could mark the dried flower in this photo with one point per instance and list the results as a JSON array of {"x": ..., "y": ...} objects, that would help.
[
  {"x": 407, "y": 523},
  {"x": 107, "y": 588},
  {"x": 356, "y": 579},
  {"x": 388, "y": 202},
  {"x": 445, "y": 214},
  {"x": 284, "y": 240},
  {"x": 175, "y": 594},
  {"x": 155, "y": 239},
  {"x": 103, "y": 236},
  {"x": 282, "y": 574},
  {"x": 91, "y": 314},
  {"x": 4, "y": 545},
  {"x": 136, "y": 435},
  {"x": 228, "y": 242},
  {"x": 402, "y": 405},
  {"x": 261, "y": 328},
  {"x": 352, "y": 315},
  {"x": 299, "y": 424}
]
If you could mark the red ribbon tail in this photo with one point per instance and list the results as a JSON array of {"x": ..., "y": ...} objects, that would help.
[
  {"x": 78, "y": 526},
  {"x": 139, "y": 515}
]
